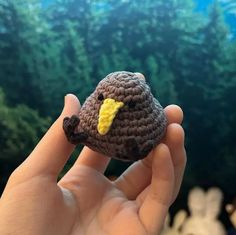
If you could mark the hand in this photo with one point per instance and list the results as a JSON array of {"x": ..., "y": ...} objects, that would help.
[{"x": 84, "y": 201}]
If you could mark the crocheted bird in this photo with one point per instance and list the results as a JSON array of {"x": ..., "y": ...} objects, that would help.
[{"x": 120, "y": 119}]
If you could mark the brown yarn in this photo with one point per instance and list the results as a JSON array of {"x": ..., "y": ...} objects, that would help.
[{"x": 138, "y": 126}]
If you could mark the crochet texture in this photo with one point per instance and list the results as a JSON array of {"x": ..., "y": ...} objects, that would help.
[{"x": 120, "y": 119}]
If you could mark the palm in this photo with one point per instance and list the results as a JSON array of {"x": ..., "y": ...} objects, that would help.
[{"x": 103, "y": 208}]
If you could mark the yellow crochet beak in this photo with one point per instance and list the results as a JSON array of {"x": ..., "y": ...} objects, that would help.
[{"x": 107, "y": 113}]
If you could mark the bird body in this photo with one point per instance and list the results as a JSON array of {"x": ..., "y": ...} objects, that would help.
[{"x": 120, "y": 119}]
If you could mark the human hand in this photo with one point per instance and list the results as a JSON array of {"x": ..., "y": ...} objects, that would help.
[{"x": 84, "y": 201}]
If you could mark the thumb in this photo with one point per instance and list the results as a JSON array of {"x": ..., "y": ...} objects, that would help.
[
  {"x": 71, "y": 106},
  {"x": 53, "y": 150}
]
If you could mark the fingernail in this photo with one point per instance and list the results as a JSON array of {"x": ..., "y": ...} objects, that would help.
[
  {"x": 65, "y": 99},
  {"x": 65, "y": 103},
  {"x": 71, "y": 103}
]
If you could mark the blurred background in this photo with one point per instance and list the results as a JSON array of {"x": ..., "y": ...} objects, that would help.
[{"x": 185, "y": 48}]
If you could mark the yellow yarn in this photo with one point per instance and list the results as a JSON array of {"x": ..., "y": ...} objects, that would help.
[{"x": 107, "y": 113}]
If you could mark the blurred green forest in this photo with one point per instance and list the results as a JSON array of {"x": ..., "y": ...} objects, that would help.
[{"x": 70, "y": 45}]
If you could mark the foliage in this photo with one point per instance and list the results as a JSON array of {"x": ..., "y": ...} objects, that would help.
[
  {"x": 40, "y": 57},
  {"x": 21, "y": 129},
  {"x": 68, "y": 46}
]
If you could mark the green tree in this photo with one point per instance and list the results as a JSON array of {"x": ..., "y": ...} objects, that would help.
[
  {"x": 21, "y": 129},
  {"x": 18, "y": 31},
  {"x": 162, "y": 81},
  {"x": 41, "y": 64},
  {"x": 153, "y": 34},
  {"x": 200, "y": 78}
]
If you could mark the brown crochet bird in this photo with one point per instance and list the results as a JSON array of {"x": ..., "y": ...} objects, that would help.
[{"x": 120, "y": 119}]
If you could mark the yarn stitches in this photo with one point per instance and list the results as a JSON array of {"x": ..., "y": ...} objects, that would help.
[{"x": 120, "y": 119}]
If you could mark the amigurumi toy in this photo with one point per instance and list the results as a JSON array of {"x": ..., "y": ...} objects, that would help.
[{"x": 120, "y": 119}]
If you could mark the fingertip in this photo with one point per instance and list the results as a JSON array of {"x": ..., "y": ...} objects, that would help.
[
  {"x": 71, "y": 105},
  {"x": 71, "y": 98},
  {"x": 147, "y": 161},
  {"x": 162, "y": 161},
  {"x": 161, "y": 148},
  {"x": 174, "y": 135},
  {"x": 174, "y": 114},
  {"x": 163, "y": 171}
]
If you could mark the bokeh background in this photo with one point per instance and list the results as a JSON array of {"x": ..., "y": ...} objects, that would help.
[{"x": 185, "y": 48}]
